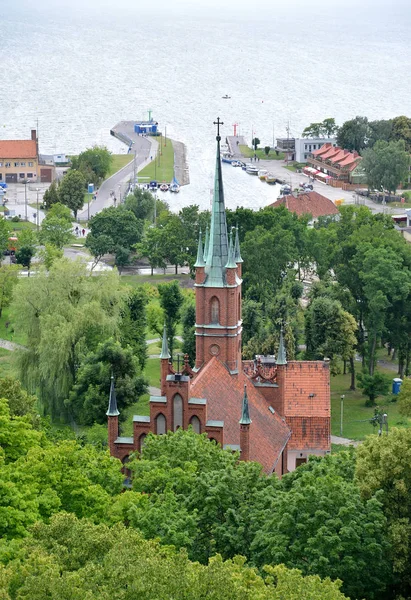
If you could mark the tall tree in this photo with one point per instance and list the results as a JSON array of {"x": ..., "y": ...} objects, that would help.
[
  {"x": 141, "y": 203},
  {"x": 133, "y": 324},
  {"x": 188, "y": 319},
  {"x": 401, "y": 130},
  {"x": 8, "y": 279},
  {"x": 71, "y": 191},
  {"x": 171, "y": 300},
  {"x": 354, "y": 134},
  {"x": 88, "y": 399},
  {"x": 55, "y": 231},
  {"x": 386, "y": 165},
  {"x": 94, "y": 163},
  {"x": 118, "y": 225},
  {"x": 51, "y": 195},
  {"x": 65, "y": 313},
  {"x": 383, "y": 468},
  {"x": 4, "y": 235},
  {"x": 329, "y": 331}
]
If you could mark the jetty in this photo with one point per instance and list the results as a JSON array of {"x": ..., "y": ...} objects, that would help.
[
  {"x": 233, "y": 143},
  {"x": 145, "y": 147}
]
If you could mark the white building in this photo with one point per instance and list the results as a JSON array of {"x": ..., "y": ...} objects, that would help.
[{"x": 304, "y": 147}]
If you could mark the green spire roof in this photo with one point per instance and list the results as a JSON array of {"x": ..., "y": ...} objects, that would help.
[
  {"x": 200, "y": 252},
  {"x": 217, "y": 254},
  {"x": 164, "y": 347},
  {"x": 282, "y": 357},
  {"x": 112, "y": 403},
  {"x": 207, "y": 239},
  {"x": 237, "y": 253},
  {"x": 245, "y": 414},
  {"x": 231, "y": 264}
]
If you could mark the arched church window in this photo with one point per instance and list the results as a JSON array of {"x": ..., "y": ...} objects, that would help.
[
  {"x": 177, "y": 411},
  {"x": 239, "y": 306},
  {"x": 215, "y": 310},
  {"x": 160, "y": 424},
  {"x": 142, "y": 441},
  {"x": 195, "y": 423}
]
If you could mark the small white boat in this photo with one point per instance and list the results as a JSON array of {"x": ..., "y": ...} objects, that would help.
[
  {"x": 236, "y": 163},
  {"x": 226, "y": 97},
  {"x": 175, "y": 188},
  {"x": 270, "y": 179},
  {"x": 164, "y": 187},
  {"x": 251, "y": 170}
]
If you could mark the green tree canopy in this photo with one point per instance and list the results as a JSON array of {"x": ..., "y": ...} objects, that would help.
[
  {"x": 71, "y": 558},
  {"x": 88, "y": 400},
  {"x": 171, "y": 300},
  {"x": 71, "y": 191},
  {"x": 94, "y": 163},
  {"x": 354, "y": 134},
  {"x": 386, "y": 165},
  {"x": 51, "y": 195},
  {"x": 65, "y": 314},
  {"x": 383, "y": 464}
]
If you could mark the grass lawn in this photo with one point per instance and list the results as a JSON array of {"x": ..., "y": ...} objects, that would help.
[
  {"x": 294, "y": 167},
  {"x": 356, "y": 414},
  {"x": 6, "y": 363},
  {"x": 154, "y": 348},
  {"x": 162, "y": 168},
  {"x": 16, "y": 227},
  {"x": 118, "y": 162},
  {"x": 248, "y": 152},
  {"x": 8, "y": 333}
]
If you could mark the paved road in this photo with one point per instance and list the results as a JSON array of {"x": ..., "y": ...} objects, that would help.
[
  {"x": 277, "y": 167},
  {"x": 144, "y": 149}
]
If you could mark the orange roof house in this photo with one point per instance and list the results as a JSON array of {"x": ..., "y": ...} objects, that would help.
[
  {"x": 20, "y": 161},
  {"x": 308, "y": 203},
  {"x": 276, "y": 413},
  {"x": 336, "y": 162}
]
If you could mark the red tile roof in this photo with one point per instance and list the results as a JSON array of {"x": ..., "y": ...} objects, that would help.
[
  {"x": 311, "y": 203},
  {"x": 18, "y": 149},
  {"x": 323, "y": 150},
  {"x": 224, "y": 394}
]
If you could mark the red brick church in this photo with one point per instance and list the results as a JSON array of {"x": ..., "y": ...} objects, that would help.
[{"x": 276, "y": 414}]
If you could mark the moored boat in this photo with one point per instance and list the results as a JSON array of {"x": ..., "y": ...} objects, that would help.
[
  {"x": 262, "y": 174},
  {"x": 164, "y": 187},
  {"x": 227, "y": 157},
  {"x": 270, "y": 179},
  {"x": 251, "y": 170},
  {"x": 236, "y": 163}
]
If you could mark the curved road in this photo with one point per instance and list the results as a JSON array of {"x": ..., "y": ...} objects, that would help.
[{"x": 144, "y": 150}]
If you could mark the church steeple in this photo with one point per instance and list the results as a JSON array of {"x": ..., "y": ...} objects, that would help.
[
  {"x": 112, "y": 403},
  {"x": 207, "y": 239},
  {"x": 237, "y": 253},
  {"x": 200, "y": 252},
  {"x": 218, "y": 324},
  {"x": 245, "y": 413},
  {"x": 217, "y": 254},
  {"x": 165, "y": 354},
  {"x": 282, "y": 357}
]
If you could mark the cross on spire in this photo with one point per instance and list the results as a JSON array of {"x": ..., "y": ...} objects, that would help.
[{"x": 218, "y": 123}]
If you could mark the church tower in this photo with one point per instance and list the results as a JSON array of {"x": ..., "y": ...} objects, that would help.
[{"x": 218, "y": 286}]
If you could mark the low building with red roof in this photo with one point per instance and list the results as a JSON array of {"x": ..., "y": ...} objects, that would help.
[
  {"x": 332, "y": 162},
  {"x": 308, "y": 203},
  {"x": 271, "y": 411}
]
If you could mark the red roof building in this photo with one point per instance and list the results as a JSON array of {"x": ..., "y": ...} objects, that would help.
[
  {"x": 276, "y": 414},
  {"x": 337, "y": 163},
  {"x": 308, "y": 203}
]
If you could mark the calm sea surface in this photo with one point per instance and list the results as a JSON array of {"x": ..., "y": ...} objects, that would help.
[{"x": 81, "y": 70}]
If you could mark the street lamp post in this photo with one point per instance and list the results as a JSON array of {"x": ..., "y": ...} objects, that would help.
[
  {"x": 37, "y": 206},
  {"x": 341, "y": 414}
]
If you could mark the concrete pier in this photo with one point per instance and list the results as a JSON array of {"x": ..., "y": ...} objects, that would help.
[{"x": 141, "y": 145}]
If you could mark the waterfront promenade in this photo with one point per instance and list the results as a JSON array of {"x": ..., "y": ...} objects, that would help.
[{"x": 277, "y": 168}]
